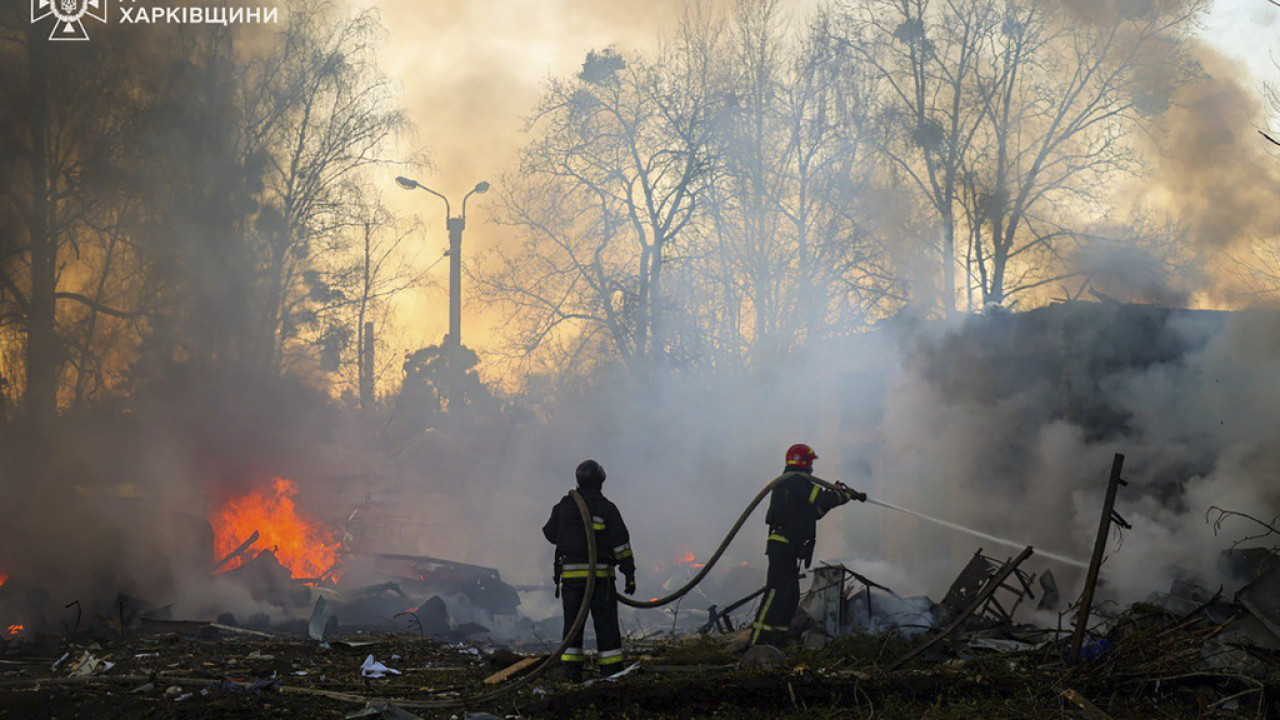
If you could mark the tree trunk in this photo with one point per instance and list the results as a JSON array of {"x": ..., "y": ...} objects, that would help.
[
  {"x": 999, "y": 259},
  {"x": 44, "y": 357},
  {"x": 948, "y": 261}
]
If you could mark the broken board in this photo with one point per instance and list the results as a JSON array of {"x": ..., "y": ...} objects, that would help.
[{"x": 512, "y": 669}]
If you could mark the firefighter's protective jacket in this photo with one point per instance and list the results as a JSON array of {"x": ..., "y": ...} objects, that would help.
[
  {"x": 795, "y": 506},
  {"x": 613, "y": 542}
]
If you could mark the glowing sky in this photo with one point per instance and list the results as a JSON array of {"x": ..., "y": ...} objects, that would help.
[{"x": 472, "y": 71}]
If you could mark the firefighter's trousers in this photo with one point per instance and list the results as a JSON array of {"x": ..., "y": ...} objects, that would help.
[
  {"x": 604, "y": 612},
  {"x": 781, "y": 596}
]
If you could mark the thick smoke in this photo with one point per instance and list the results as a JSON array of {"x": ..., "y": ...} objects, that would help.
[
  {"x": 1005, "y": 424},
  {"x": 1016, "y": 452},
  {"x": 486, "y": 61},
  {"x": 1214, "y": 171}
]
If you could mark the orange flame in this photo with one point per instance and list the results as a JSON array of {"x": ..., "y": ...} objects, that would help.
[
  {"x": 691, "y": 560},
  {"x": 15, "y": 630},
  {"x": 3, "y": 579},
  {"x": 299, "y": 543}
]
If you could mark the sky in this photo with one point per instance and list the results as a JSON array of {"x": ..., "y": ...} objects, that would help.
[{"x": 472, "y": 71}]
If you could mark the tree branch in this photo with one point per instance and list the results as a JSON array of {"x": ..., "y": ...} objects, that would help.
[
  {"x": 104, "y": 309},
  {"x": 1224, "y": 514}
]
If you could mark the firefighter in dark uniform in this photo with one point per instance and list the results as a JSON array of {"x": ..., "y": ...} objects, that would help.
[
  {"x": 613, "y": 550},
  {"x": 795, "y": 505}
]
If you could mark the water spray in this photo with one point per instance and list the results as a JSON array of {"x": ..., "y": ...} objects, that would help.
[{"x": 979, "y": 533}]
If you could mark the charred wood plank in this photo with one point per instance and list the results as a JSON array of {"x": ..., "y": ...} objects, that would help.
[
  {"x": 243, "y": 547},
  {"x": 493, "y": 572},
  {"x": 977, "y": 602},
  {"x": 715, "y": 614},
  {"x": 512, "y": 669},
  {"x": 1091, "y": 711}
]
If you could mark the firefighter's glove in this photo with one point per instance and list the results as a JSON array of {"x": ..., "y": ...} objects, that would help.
[
  {"x": 846, "y": 493},
  {"x": 630, "y": 587}
]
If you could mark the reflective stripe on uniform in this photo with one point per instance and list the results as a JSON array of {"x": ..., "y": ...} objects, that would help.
[
  {"x": 574, "y": 574},
  {"x": 597, "y": 522},
  {"x": 622, "y": 551},
  {"x": 779, "y": 538},
  {"x": 813, "y": 494},
  {"x": 608, "y": 657},
  {"x": 581, "y": 570},
  {"x": 571, "y": 655},
  {"x": 764, "y": 610}
]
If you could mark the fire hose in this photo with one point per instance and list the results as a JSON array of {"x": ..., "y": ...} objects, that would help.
[
  {"x": 724, "y": 545},
  {"x": 579, "y": 620}
]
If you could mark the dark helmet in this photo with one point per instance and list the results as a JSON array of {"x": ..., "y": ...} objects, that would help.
[
  {"x": 590, "y": 474},
  {"x": 801, "y": 456}
]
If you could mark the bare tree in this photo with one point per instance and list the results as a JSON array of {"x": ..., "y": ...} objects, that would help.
[
  {"x": 608, "y": 187},
  {"x": 785, "y": 240},
  {"x": 1060, "y": 101},
  {"x": 1011, "y": 119},
  {"x": 351, "y": 287},
  {"x": 68, "y": 125},
  {"x": 318, "y": 114},
  {"x": 925, "y": 55}
]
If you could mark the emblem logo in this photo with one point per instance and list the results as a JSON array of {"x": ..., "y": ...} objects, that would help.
[{"x": 68, "y": 16}]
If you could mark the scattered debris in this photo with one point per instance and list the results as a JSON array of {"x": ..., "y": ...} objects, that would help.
[
  {"x": 973, "y": 579},
  {"x": 995, "y": 581},
  {"x": 1089, "y": 709},
  {"x": 374, "y": 669},
  {"x": 1262, "y": 599},
  {"x": 381, "y": 711},
  {"x": 239, "y": 551},
  {"x": 88, "y": 664},
  {"x": 512, "y": 670},
  {"x": 320, "y": 615}
]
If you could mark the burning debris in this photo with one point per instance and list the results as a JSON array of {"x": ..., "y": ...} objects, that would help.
[
  {"x": 395, "y": 630},
  {"x": 269, "y": 516}
]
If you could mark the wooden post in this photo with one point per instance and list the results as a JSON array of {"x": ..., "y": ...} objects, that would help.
[{"x": 1095, "y": 562}]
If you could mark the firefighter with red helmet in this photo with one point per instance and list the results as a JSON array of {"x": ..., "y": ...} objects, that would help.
[
  {"x": 795, "y": 506},
  {"x": 613, "y": 550}
]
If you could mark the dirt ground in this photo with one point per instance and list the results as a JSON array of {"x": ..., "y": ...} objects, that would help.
[{"x": 1153, "y": 671}]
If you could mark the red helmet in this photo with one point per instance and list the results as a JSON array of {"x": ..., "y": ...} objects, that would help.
[{"x": 801, "y": 456}]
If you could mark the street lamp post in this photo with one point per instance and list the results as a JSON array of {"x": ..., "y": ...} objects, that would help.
[{"x": 455, "y": 225}]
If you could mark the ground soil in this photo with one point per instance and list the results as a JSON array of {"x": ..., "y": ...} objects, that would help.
[{"x": 233, "y": 675}]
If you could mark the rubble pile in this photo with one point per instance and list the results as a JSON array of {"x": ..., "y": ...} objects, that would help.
[{"x": 860, "y": 651}]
